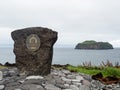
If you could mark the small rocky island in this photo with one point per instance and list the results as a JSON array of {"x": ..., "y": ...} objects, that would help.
[{"x": 91, "y": 44}]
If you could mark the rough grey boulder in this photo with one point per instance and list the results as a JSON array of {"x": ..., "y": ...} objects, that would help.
[{"x": 35, "y": 59}]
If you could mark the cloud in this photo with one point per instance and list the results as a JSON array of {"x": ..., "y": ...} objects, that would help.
[
  {"x": 115, "y": 43},
  {"x": 75, "y": 20},
  {"x": 5, "y": 35}
]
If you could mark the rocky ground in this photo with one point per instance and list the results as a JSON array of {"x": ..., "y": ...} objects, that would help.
[{"x": 59, "y": 79}]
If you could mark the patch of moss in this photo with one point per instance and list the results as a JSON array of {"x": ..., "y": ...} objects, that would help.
[
  {"x": 2, "y": 67},
  {"x": 106, "y": 71}
]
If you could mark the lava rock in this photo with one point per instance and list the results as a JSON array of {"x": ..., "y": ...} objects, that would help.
[{"x": 33, "y": 48}]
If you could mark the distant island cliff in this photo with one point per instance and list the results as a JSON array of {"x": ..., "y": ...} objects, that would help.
[{"x": 91, "y": 44}]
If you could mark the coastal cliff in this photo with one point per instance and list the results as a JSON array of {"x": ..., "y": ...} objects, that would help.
[{"x": 93, "y": 45}]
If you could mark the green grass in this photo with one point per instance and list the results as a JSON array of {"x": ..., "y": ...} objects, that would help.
[
  {"x": 2, "y": 67},
  {"x": 106, "y": 71},
  {"x": 111, "y": 71},
  {"x": 89, "y": 42}
]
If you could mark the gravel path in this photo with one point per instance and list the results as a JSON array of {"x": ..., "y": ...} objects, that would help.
[{"x": 59, "y": 79}]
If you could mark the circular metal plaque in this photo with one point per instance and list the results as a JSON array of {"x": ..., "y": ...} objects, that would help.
[{"x": 33, "y": 42}]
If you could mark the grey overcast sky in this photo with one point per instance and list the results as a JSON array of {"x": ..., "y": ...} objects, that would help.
[{"x": 74, "y": 20}]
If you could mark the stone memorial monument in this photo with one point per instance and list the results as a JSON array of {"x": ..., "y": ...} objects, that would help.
[{"x": 33, "y": 48}]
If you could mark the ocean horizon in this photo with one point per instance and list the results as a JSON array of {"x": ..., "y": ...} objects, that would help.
[{"x": 70, "y": 55}]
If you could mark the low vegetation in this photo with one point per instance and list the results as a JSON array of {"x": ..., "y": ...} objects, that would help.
[
  {"x": 107, "y": 71},
  {"x": 106, "y": 68},
  {"x": 2, "y": 67}
]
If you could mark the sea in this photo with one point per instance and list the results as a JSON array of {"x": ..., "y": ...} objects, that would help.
[{"x": 70, "y": 56}]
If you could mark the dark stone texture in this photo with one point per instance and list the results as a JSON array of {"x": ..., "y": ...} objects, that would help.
[
  {"x": 37, "y": 62},
  {"x": 98, "y": 75},
  {"x": 106, "y": 80}
]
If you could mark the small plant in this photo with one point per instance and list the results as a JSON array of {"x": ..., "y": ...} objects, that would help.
[
  {"x": 107, "y": 64},
  {"x": 87, "y": 64},
  {"x": 110, "y": 64},
  {"x": 117, "y": 64}
]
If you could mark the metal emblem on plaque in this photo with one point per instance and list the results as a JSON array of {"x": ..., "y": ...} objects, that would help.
[{"x": 33, "y": 42}]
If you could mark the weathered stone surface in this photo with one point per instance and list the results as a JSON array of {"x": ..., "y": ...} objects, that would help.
[
  {"x": 51, "y": 87},
  {"x": 86, "y": 82},
  {"x": 83, "y": 87},
  {"x": 52, "y": 82},
  {"x": 34, "y": 81},
  {"x": 73, "y": 87},
  {"x": 2, "y": 87},
  {"x": 34, "y": 77},
  {"x": 31, "y": 87},
  {"x": 66, "y": 85},
  {"x": 33, "y": 48},
  {"x": 1, "y": 75}
]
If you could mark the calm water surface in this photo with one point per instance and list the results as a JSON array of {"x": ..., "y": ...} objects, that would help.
[{"x": 70, "y": 56}]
